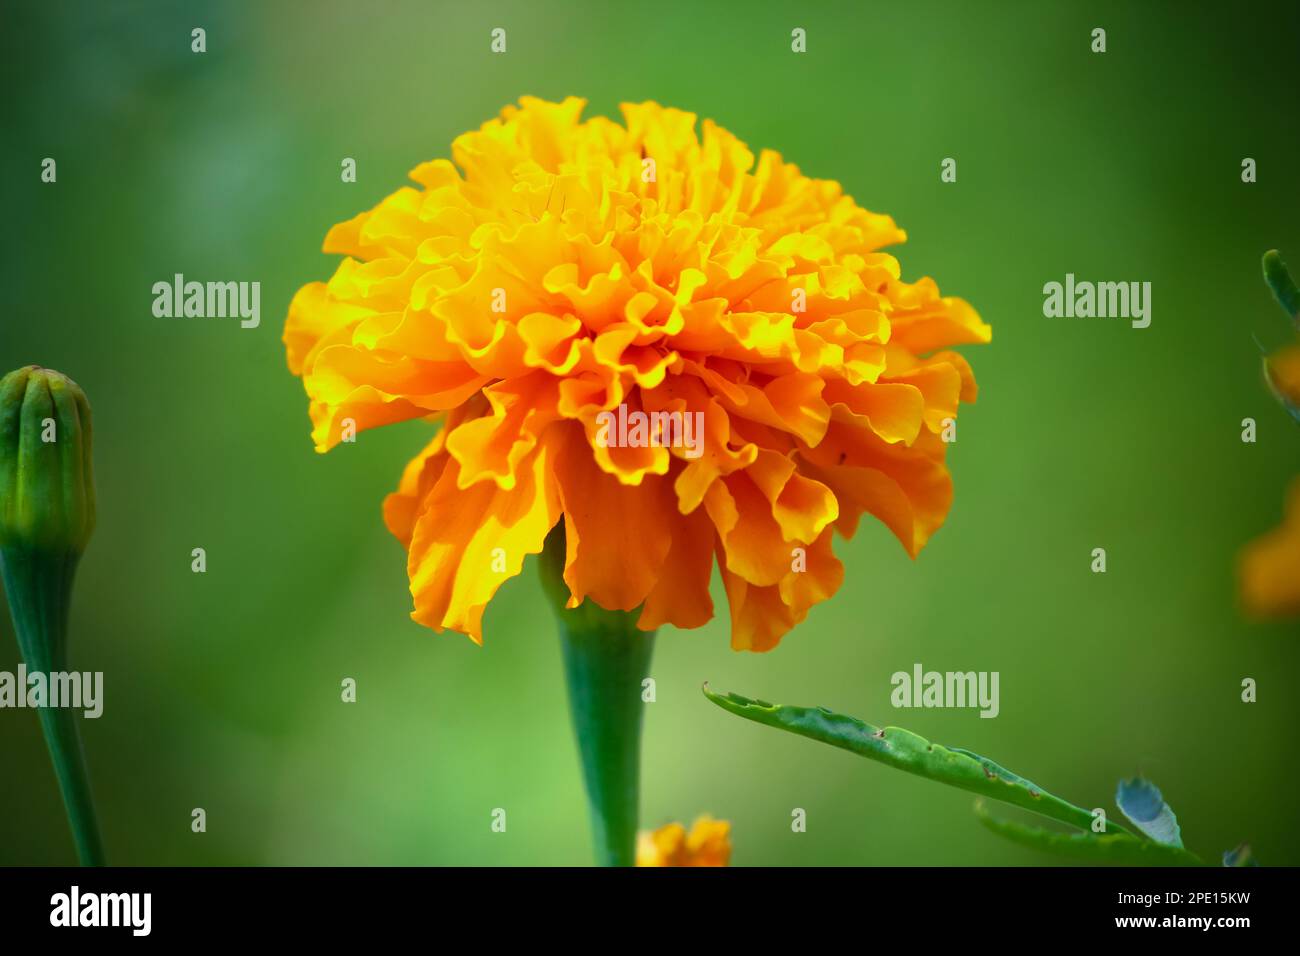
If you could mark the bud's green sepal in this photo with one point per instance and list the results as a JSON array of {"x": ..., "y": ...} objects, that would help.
[{"x": 47, "y": 488}]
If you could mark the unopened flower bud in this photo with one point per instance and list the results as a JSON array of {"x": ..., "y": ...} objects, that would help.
[
  {"x": 47, "y": 489},
  {"x": 47, "y": 512}
]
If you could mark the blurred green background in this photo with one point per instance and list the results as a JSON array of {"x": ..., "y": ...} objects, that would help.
[{"x": 222, "y": 689}]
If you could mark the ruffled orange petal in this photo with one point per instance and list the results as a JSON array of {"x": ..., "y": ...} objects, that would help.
[
  {"x": 468, "y": 541},
  {"x": 680, "y": 594},
  {"x": 762, "y": 615},
  {"x": 906, "y": 487},
  {"x": 616, "y": 539}
]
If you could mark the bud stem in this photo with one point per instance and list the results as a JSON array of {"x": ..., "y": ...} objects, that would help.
[
  {"x": 39, "y": 585},
  {"x": 606, "y": 657}
]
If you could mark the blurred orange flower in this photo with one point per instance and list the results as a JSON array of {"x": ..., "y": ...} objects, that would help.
[
  {"x": 708, "y": 844},
  {"x": 1282, "y": 372},
  {"x": 569, "y": 271},
  {"x": 1270, "y": 566}
]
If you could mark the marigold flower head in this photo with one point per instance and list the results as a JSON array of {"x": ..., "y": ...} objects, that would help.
[
  {"x": 560, "y": 269},
  {"x": 707, "y": 844}
]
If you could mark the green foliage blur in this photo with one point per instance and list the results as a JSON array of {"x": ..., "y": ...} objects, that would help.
[{"x": 223, "y": 689}]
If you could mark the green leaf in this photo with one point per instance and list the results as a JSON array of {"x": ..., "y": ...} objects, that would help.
[
  {"x": 1241, "y": 856},
  {"x": 1113, "y": 848},
  {"x": 1284, "y": 288},
  {"x": 905, "y": 751},
  {"x": 1142, "y": 802}
]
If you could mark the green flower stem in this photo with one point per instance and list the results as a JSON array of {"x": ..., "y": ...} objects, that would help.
[
  {"x": 605, "y": 660},
  {"x": 39, "y": 586}
]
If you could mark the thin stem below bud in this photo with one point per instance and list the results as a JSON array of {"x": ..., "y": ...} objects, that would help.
[{"x": 39, "y": 586}]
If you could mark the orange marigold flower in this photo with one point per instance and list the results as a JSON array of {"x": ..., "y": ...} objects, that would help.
[
  {"x": 571, "y": 268},
  {"x": 1270, "y": 566},
  {"x": 708, "y": 844}
]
